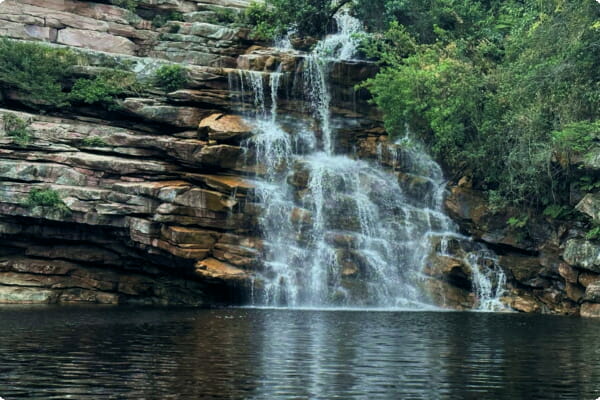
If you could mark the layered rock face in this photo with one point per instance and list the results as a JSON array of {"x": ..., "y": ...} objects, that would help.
[
  {"x": 155, "y": 204},
  {"x": 156, "y": 195},
  {"x": 551, "y": 265}
]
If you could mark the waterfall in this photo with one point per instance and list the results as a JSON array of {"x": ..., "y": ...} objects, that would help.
[{"x": 340, "y": 231}]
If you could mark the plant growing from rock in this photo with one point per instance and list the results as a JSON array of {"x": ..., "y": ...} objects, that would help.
[
  {"x": 171, "y": 77},
  {"x": 94, "y": 141},
  {"x": 161, "y": 19},
  {"x": 46, "y": 198},
  {"x": 37, "y": 71},
  {"x": 17, "y": 128},
  {"x": 105, "y": 88},
  {"x": 130, "y": 5}
]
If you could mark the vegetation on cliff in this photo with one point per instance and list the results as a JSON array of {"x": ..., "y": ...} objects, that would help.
[
  {"x": 46, "y": 77},
  {"x": 501, "y": 91}
]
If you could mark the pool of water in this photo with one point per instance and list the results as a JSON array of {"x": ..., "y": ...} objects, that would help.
[{"x": 141, "y": 353}]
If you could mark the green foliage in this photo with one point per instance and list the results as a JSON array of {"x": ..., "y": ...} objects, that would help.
[
  {"x": 94, "y": 141},
  {"x": 225, "y": 15},
  {"x": 518, "y": 222},
  {"x": 577, "y": 137},
  {"x": 104, "y": 89},
  {"x": 276, "y": 17},
  {"x": 17, "y": 128},
  {"x": 593, "y": 233},
  {"x": 130, "y": 5},
  {"x": 37, "y": 71},
  {"x": 556, "y": 211},
  {"x": 588, "y": 184},
  {"x": 46, "y": 198},
  {"x": 171, "y": 77},
  {"x": 263, "y": 21},
  {"x": 160, "y": 20},
  {"x": 497, "y": 90}
]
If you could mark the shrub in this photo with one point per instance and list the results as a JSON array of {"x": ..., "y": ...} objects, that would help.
[
  {"x": 130, "y": 5},
  {"x": 496, "y": 89},
  {"x": 105, "y": 88},
  {"x": 160, "y": 19},
  {"x": 276, "y": 17},
  {"x": 17, "y": 128},
  {"x": 36, "y": 70},
  {"x": 94, "y": 141},
  {"x": 171, "y": 77},
  {"x": 46, "y": 198}
]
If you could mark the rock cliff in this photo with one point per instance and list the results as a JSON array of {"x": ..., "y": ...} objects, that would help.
[
  {"x": 155, "y": 207},
  {"x": 154, "y": 197}
]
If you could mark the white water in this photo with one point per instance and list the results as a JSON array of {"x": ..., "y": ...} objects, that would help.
[{"x": 340, "y": 231}]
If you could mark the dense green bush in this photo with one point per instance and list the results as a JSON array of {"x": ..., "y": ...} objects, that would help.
[
  {"x": 171, "y": 77},
  {"x": 306, "y": 17},
  {"x": 497, "y": 90},
  {"x": 46, "y": 198},
  {"x": 104, "y": 89},
  {"x": 17, "y": 128},
  {"x": 36, "y": 70},
  {"x": 94, "y": 141}
]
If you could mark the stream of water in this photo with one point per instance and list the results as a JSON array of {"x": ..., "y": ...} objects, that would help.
[{"x": 340, "y": 231}]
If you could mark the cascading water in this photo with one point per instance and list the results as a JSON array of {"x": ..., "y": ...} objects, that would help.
[{"x": 340, "y": 231}]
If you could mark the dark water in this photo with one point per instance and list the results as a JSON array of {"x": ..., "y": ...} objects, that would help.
[{"x": 116, "y": 353}]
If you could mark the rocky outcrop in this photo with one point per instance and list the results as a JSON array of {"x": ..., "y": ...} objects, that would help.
[
  {"x": 551, "y": 266},
  {"x": 148, "y": 201}
]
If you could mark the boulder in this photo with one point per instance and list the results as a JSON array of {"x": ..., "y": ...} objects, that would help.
[
  {"x": 590, "y": 205},
  {"x": 100, "y": 41},
  {"x": 583, "y": 254},
  {"x": 225, "y": 128}
]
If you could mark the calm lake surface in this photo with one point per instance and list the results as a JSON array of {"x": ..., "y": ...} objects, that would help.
[{"x": 140, "y": 353}]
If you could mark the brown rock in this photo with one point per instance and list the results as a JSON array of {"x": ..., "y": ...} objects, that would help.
[
  {"x": 215, "y": 269},
  {"x": 100, "y": 41},
  {"x": 587, "y": 278},
  {"x": 448, "y": 296},
  {"x": 570, "y": 274},
  {"x": 574, "y": 291},
  {"x": 225, "y": 128},
  {"x": 524, "y": 303},
  {"x": 590, "y": 310},
  {"x": 592, "y": 293},
  {"x": 179, "y": 235}
]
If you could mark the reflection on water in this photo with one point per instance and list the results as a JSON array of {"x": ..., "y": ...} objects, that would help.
[{"x": 116, "y": 353}]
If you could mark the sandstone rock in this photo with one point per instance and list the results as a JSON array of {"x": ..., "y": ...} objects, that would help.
[
  {"x": 574, "y": 291},
  {"x": 221, "y": 156},
  {"x": 583, "y": 254},
  {"x": 449, "y": 296},
  {"x": 590, "y": 310},
  {"x": 239, "y": 256},
  {"x": 230, "y": 185},
  {"x": 587, "y": 278},
  {"x": 522, "y": 268},
  {"x": 524, "y": 303},
  {"x": 590, "y": 205},
  {"x": 225, "y": 128},
  {"x": 205, "y": 199},
  {"x": 152, "y": 111},
  {"x": 449, "y": 269},
  {"x": 215, "y": 269},
  {"x": 592, "y": 293},
  {"x": 184, "y": 235},
  {"x": 96, "y": 40},
  {"x": 569, "y": 273},
  {"x": 25, "y": 295}
]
